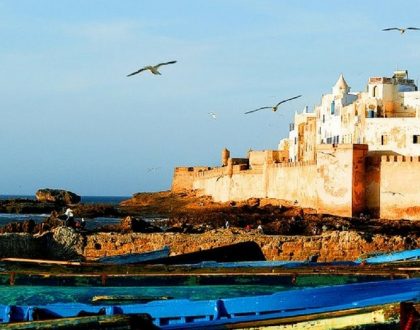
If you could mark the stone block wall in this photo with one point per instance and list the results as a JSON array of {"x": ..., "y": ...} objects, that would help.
[
  {"x": 330, "y": 246},
  {"x": 345, "y": 180},
  {"x": 184, "y": 177},
  {"x": 399, "y": 193}
]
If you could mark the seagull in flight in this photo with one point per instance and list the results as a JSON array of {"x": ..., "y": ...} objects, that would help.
[
  {"x": 213, "y": 115},
  {"x": 393, "y": 193},
  {"x": 402, "y": 30},
  {"x": 274, "y": 108},
  {"x": 152, "y": 68}
]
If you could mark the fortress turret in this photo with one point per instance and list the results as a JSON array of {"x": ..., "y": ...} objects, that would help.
[{"x": 225, "y": 156}]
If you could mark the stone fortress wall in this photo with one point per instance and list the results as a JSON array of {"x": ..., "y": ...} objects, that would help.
[{"x": 345, "y": 180}]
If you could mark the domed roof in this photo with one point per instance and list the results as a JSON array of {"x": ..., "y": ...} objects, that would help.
[{"x": 341, "y": 86}]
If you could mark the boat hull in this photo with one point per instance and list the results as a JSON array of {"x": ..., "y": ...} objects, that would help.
[{"x": 234, "y": 312}]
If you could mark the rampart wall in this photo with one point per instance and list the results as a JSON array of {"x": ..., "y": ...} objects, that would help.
[
  {"x": 344, "y": 180},
  {"x": 183, "y": 177},
  {"x": 326, "y": 185},
  {"x": 399, "y": 193},
  {"x": 292, "y": 181}
]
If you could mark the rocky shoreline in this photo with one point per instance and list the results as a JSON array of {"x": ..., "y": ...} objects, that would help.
[{"x": 286, "y": 232}]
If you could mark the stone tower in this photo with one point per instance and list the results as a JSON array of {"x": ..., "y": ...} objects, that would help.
[{"x": 225, "y": 156}]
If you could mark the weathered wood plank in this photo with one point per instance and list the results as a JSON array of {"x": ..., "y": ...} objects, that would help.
[{"x": 139, "y": 321}]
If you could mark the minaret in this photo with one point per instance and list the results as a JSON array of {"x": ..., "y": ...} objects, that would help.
[{"x": 341, "y": 86}]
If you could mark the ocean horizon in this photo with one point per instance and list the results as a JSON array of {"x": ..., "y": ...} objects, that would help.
[{"x": 114, "y": 200}]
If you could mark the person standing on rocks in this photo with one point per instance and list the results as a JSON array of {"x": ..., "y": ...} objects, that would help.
[{"x": 70, "y": 217}]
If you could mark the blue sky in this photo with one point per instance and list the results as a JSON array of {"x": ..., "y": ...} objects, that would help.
[{"x": 71, "y": 119}]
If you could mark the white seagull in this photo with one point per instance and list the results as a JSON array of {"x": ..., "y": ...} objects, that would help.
[
  {"x": 212, "y": 114},
  {"x": 402, "y": 30},
  {"x": 152, "y": 68},
  {"x": 274, "y": 108}
]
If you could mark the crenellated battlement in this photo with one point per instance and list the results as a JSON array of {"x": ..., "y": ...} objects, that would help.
[
  {"x": 400, "y": 159},
  {"x": 191, "y": 169}
]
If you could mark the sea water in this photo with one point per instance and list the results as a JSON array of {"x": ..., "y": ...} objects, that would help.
[
  {"x": 114, "y": 200},
  {"x": 30, "y": 295}
]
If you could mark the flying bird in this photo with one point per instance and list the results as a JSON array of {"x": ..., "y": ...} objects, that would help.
[
  {"x": 326, "y": 153},
  {"x": 213, "y": 115},
  {"x": 393, "y": 193},
  {"x": 152, "y": 68},
  {"x": 402, "y": 30},
  {"x": 274, "y": 108},
  {"x": 152, "y": 169}
]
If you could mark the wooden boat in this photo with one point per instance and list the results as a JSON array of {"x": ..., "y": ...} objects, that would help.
[
  {"x": 399, "y": 256},
  {"x": 243, "y": 251},
  {"x": 135, "y": 258},
  {"x": 241, "y": 312}
]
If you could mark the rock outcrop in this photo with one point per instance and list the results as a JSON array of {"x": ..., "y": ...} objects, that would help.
[
  {"x": 20, "y": 245},
  {"x": 67, "y": 243},
  {"x": 57, "y": 196},
  {"x": 62, "y": 243},
  {"x": 25, "y": 206}
]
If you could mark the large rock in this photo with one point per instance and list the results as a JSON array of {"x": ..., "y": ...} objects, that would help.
[
  {"x": 67, "y": 243},
  {"x": 57, "y": 196},
  {"x": 62, "y": 243},
  {"x": 20, "y": 245}
]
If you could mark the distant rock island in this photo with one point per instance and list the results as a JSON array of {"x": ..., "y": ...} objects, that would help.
[{"x": 57, "y": 196}]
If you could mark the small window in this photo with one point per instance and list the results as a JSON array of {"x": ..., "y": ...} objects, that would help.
[
  {"x": 332, "y": 107},
  {"x": 323, "y": 118},
  {"x": 416, "y": 139},
  {"x": 384, "y": 139}
]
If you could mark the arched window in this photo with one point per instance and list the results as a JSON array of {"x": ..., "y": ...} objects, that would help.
[{"x": 374, "y": 91}]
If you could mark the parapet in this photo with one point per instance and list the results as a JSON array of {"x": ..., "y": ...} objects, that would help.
[
  {"x": 400, "y": 159},
  {"x": 261, "y": 157},
  {"x": 380, "y": 80},
  {"x": 186, "y": 169},
  {"x": 183, "y": 177}
]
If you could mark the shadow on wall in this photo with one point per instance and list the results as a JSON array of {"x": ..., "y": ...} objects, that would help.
[{"x": 373, "y": 180}]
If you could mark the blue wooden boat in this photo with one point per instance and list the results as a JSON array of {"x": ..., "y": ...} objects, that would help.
[
  {"x": 267, "y": 264},
  {"x": 135, "y": 258},
  {"x": 399, "y": 256},
  {"x": 379, "y": 258},
  {"x": 230, "y": 312}
]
